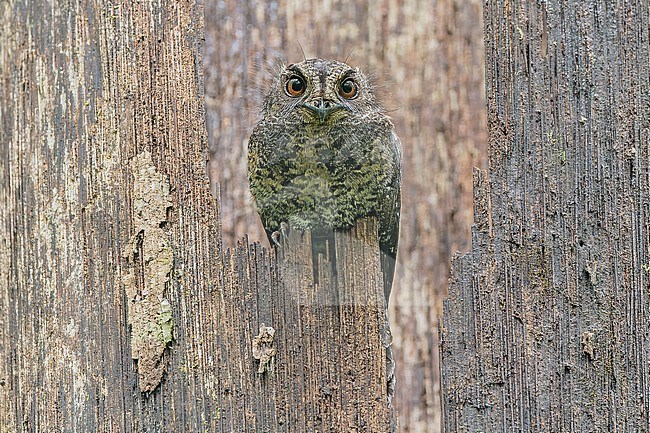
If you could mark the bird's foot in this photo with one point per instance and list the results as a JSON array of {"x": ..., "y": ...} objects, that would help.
[
  {"x": 280, "y": 237},
  {"x": 275, "y": 237}
]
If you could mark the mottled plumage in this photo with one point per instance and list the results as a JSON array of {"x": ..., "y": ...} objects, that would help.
[{"x": 325, "y": 154}]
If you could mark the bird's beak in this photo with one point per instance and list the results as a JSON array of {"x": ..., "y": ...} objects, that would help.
[{"x": 322, "y": 107}]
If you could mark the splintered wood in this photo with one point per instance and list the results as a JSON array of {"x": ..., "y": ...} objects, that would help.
[
  {"x": 546, "y": 326},
  {"x": 329, "y": 364}
]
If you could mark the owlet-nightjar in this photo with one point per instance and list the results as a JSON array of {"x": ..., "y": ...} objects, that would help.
[{"x": 326, "y": 154}]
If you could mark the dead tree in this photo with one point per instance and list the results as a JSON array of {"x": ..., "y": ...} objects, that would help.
[
  {"x": 119, "y": 311},
  {"x": 546, "y": 328}
]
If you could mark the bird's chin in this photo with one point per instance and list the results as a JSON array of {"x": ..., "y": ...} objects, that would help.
[{"x": 311, "y": 118}]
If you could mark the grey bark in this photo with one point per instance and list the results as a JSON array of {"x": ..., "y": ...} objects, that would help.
[
  {"x": 326, "y": 367},
  {"x": 118, "y": 310},
  {"x": 109, "y": 234},
  {"x": 546, "y": 327}
]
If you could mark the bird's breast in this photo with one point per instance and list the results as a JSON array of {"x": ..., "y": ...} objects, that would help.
[{"x": 321, "y": 176}]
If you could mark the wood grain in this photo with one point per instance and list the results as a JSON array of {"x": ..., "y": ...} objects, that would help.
[
  {"x": 546, "y": 326},
  {"x": 86, "y": 87},
  {"x": 119, "y": 311},
  {"x": 329, "y": 369}
]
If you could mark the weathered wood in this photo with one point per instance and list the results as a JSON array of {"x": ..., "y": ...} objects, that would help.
[
  {"x": 103, "y": 176},
  {"x": 428, "y": 59},
  {"x": 118, "y": 311},
  {"x": 327, "y": 371},
  {"x": 546, "y": 327}
]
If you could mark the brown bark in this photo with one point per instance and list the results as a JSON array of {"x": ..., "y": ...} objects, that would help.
[
  {"x": 103, "y": 177},
  {"x": 325, "y": 366},
  {"x": 428, "y": 57},
  {"x": 118, "y": 311},
  {"x": 546, "y": 327}
]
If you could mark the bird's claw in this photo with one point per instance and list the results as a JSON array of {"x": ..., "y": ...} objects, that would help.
[
  {"x": 275, "y": 237},
  {"x": 279, "y": 237}
]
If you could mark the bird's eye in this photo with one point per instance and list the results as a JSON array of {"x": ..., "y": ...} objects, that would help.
[
  {"x": 295, "y": 87},
  {"x": 348, "y": 89}
]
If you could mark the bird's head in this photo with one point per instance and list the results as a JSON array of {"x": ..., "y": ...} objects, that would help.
[{"x": 320, "y": 92}]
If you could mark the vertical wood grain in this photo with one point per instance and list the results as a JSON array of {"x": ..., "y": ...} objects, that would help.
[
  {"x": 111, "y": 244},
  {"x": 546, "y": 326},
  {"x": 86, "y": 86}
]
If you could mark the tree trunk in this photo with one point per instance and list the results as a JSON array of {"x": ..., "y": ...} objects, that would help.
[
  {"x": 110, "y": 236},
  {"x": 546, "y": 327},
  {"x": 428, "y": 58},
  {"x": 318, "y": 361},
  {"x": 118, "y": 310}
]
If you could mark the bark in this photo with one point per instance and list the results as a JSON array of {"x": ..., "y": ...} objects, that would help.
[
  {"x": 428, "y": 59},
  {"x": 318, "y": 361},
  {"x": 110, "y": 235},
  {"x": 546, "y": 326},
  {"x": 118, "y": 310}
]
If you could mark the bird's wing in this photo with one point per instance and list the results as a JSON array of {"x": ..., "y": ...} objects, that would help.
[{"x": 389, "y": 221}]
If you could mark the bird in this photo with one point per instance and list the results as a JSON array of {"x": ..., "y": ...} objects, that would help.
[{"x": 325, "y": 154}]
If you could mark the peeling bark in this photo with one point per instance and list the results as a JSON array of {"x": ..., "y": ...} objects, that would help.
[
  {"x": 150, "y": 258},
  {"x": 109, "y": 236}
]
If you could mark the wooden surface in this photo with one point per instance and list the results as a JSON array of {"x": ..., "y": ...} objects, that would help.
[
  {"x": 546, "y": 327},
  {"x": 328, "y": 369},
  {"x": 118, "y": 310},
  {"x": 428, "y": 59},
  {"x": 87, "y": 91}
]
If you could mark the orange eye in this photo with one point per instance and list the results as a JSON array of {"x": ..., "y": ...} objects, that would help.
[
  {"x": 348, "y": 88},
  {"x": 295, "y": 87}
]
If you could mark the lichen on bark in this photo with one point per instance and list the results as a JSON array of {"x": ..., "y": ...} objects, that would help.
[{"x": 150, "y": 261}]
